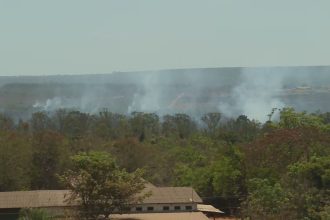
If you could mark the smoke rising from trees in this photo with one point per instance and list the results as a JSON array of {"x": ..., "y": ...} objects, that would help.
[
  {"x": 257, "y": 93},
  {"x": 253, "y": 92}
]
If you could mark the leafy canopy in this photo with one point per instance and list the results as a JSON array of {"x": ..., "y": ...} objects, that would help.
[{"x": 100, "y": 186}]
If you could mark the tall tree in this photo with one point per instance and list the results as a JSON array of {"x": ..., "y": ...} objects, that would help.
[
  {"x": 15, "y": 161},
  {"x": 50, "y": 157},
  {"x": 100, "y": 186},
  {"x": 212, "y": 122}
]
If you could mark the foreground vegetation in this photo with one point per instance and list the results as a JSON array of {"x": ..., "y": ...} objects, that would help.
[
  {"x": 99, "y": 187},
  {"x": 276, "y": 170},
  {"x": 34, "y": 214}
]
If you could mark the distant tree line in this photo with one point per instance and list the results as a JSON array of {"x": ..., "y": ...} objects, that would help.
[{"x": 273, "y": 170}]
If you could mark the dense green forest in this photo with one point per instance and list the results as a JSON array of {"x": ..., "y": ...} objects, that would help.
[{"x": 279, "y": 169}]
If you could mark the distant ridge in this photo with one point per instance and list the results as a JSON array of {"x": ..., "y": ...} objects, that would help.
[{"x": 231, "y": 90}]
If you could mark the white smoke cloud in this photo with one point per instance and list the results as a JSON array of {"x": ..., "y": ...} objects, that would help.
[
  {"x": 52, "y": 104},
  {"x": 232, "y": 91},
  {"x": 150, "y": 100},
  {"x": 256, "y": 95},
  {"x": 149, "y": 96},
  {"x": 49, "y": 104}
]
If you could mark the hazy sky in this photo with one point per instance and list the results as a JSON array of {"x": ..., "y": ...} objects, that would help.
[{"x": 101, "y": 36}]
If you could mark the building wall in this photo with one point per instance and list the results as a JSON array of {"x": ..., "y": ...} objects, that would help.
[
  {"x": 9, "y": 214},
  {"x": 160, "y": 207}
]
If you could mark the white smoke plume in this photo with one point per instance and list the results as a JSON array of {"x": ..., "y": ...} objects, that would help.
[
  {"x": 49, "y": 104},
  {"x": 256, "y": 95},
  {"x": 148, "y": 98},
  {"x": 52, "y": 104},
  {"x": 253, "y": 92}
]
